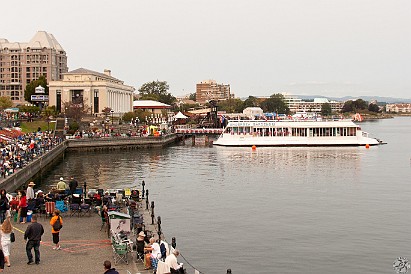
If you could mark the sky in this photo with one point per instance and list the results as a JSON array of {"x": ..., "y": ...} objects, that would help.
[{"x": 330, "y": 48}]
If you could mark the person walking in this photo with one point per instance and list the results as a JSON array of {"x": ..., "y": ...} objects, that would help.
[
  {"x": 33, "y": 235},
  {"x": 30, "y": 191},
  {"x": 4, "y": 205},
  {"x": 56, "y": 223},
  {"x": 23, "y": 206},
  {"x": 6, "y": 229},
  {"x": 108, "y": 269}
]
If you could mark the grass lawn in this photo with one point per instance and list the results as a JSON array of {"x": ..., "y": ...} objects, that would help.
[{"x": 27, "y": 127}]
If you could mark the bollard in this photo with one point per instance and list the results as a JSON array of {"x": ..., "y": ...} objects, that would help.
[
  {"x": 152, "y": 212},
  {"x": 159, "y": 228},
  {"x": 173, "y": 242},
  {"x": 143, "y": 184},
  {"x": 85, "y": 190},
  {"x": 193, "y": 138},
  {"x": 147, "y": 199},
  {"x": 229, "y": 271}
]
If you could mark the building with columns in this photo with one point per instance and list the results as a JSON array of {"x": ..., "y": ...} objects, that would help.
[
  {"x": 93, "y": 90},
  {"x": 23, "y": 62}
]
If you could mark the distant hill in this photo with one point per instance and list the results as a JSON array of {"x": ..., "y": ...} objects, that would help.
[{"x": 389, "y": 100}]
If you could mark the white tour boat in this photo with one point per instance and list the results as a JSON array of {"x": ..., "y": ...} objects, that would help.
[{"x": 294, "y": 133}]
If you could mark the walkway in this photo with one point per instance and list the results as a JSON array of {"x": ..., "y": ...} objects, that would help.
[{"x": 84, "y": 249}]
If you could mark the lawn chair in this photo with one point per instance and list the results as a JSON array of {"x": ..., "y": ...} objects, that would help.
[
  {"x": 120, "y": 252},
  {"x": 50, "y": 207},
  {"x": 84, "y": 209},
  {"x": 61, "y": 206},
  {"x": 75, "y": 209}
]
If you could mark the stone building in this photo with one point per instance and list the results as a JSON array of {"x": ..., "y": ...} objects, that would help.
[
  {"x": 21, "y": 63},
  {"x": 91, "y": 89}
]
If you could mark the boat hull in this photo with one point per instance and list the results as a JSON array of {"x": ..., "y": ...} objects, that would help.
[{"x": 293, "y": 141}]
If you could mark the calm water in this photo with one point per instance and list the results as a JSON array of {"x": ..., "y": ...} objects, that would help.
[{"x": 275, "y": 210}]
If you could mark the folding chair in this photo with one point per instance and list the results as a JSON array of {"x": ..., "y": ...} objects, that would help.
[
  {"x": 50, "y": 207},
  {"x": 61, "y": 206},
  {"x": 84, "y": 209},
  {"x": 140, "y": 251},
  {"x": 120, "y": 252},
  {"x": 75, "y": 209}
]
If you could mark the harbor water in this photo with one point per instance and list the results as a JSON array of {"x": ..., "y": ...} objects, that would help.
[{"x": 272, "y": 210}]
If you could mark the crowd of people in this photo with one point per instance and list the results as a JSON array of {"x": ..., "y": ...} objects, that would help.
[
  {"x": 17, "y": 205},
  {"x": 17, "y": 152}
]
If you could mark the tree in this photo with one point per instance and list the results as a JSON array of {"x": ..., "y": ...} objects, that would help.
[
  {"x": 348, "y": 106},
  {"x": 192, "y": 96},
  {"x": 275, "y": 103},
  {"x": 231, "y": 105},
  {"x": 5, "y": 102},
  {"x": 251, "y": 101},
  {"x": 31, "y": 87},
  {"x": 158, "y": 91},
  {"x": 75, "y": 111},
  {"x": 360, "y": 104},
  {"x": 373, "y": 108},
  {"x": 326, "y": 109}
]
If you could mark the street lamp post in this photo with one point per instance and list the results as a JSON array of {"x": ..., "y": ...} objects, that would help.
[{"x": 112, "y": 119}]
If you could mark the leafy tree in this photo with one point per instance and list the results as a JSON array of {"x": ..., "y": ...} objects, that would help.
[
  {"x": 129, "y": 115},
  {"x": 158, "y": 91},
  {"x": 275, "y": 103},
  {"x": 251, "y": 101},
  {"x": 373, "y": 108},
  {"x": 31, "y": 87},
  {"x": 326, "y": 109},
  {"x": 354, "y": 106},
  {"x": 193, "y": 96},
  {"x": 360, "y": 104},
  {"x": 231, "y": 105},
  {"x": 75, "y": 111},
  {"x": 5, "y": 102},
  {"x": 50, "y": 111},
  {"x": 29, "y": 109},
  {"x": 348, "y": 106}
]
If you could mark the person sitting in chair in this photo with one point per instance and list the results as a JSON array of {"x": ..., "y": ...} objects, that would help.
[{"x": 171, "y": 262}]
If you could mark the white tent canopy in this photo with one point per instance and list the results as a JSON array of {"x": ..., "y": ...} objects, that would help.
[{"x": 179, "y": 115}]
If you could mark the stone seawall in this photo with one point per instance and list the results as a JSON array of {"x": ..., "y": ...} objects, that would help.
[
  {"x": 120, "y": 142},
  {"x": 47, "y": 160},
  {"x": 16, "y": 180}
]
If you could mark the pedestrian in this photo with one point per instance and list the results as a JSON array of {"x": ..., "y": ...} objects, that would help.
[
  {"x": 33, "y": 235},
  {"x": 30, "y": 191},
  {"x": 6, "y": 229},
  {"x": 56, "y": 223},
  {"x": 4, "y": 205},
  {"x": 73, "y": 184},
  {"x": 23, "y": 206},
  {"x": 108, "y": 269}
]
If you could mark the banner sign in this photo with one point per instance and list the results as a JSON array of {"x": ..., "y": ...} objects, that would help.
[{"x": 39, "y": 98}]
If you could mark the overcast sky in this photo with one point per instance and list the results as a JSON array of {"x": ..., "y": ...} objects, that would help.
[{"x": 259, "y": 47}]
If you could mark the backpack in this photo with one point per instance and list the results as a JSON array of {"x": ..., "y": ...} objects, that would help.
[
  {"x": 163, "y": 250},
  {"x": 57, "y": 224}
]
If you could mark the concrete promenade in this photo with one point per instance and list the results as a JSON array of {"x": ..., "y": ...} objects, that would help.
[{"x": 84, "y": 248}]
